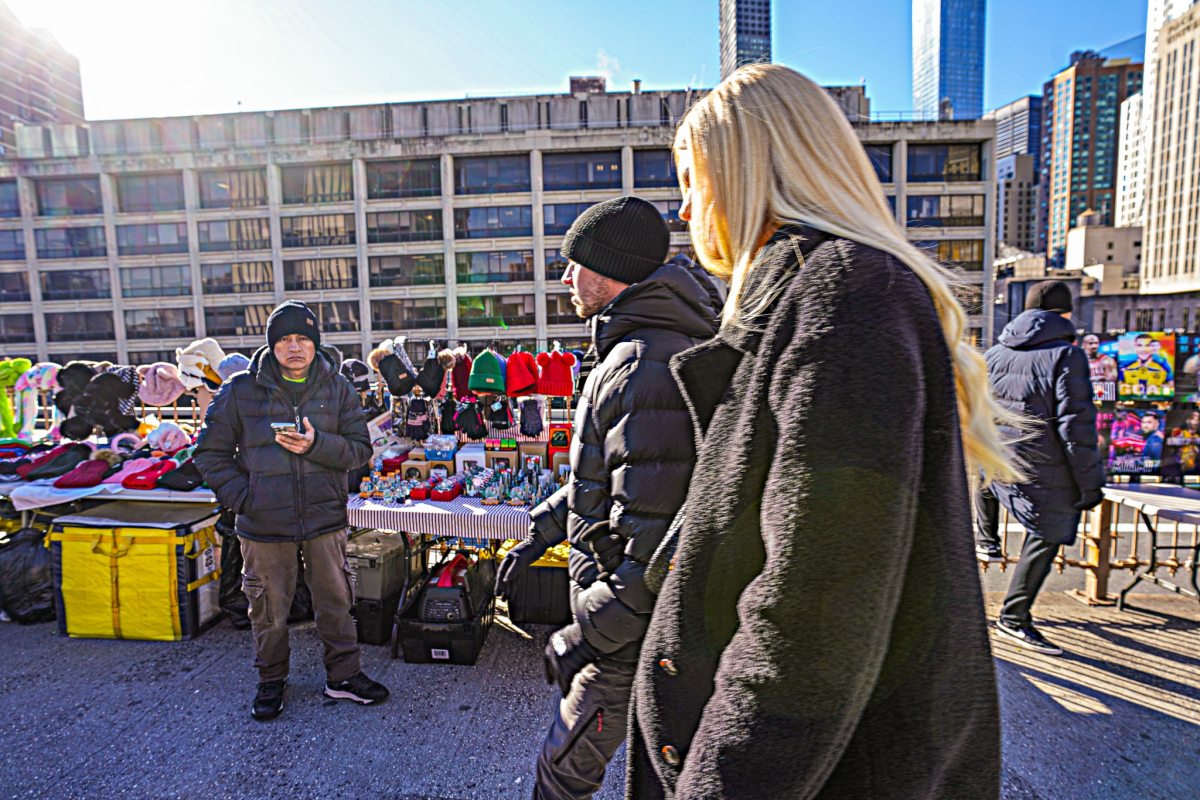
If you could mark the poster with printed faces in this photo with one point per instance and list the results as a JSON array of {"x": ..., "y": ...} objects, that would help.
[
  {"x": 1146, "y": 366},
  {"x": 1187, "y": 366},
  {"x": 1135, "y": 440},
  {"x": 1181, "y": 456},
  {"x": 1101, "y": 351}
]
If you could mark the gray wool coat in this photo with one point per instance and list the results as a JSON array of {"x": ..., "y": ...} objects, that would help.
[{"x": 821, "y": 633}]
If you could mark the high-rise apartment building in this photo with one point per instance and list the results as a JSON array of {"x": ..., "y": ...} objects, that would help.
[
  {"x": 948, "y": 44},
  {"x": 39, "y": 80},
  {"x": 745, "y": 27},
  {"x": 1080, "y": 132},
  {"x": 1172, "y": 214},
  {"x": 1016, "y": 202},
  {"x": 442, "y": 220},
  {"x": 1019, "y": 129}
]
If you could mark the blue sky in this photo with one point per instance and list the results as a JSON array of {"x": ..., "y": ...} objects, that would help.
[{"x": 167, "y": 57}]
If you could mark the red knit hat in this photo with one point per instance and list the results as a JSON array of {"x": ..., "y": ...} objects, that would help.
[
  {"x": 556, "y": 378},
  {"x": 522, "y": 377},
  {"x": 461, "y": 376}
]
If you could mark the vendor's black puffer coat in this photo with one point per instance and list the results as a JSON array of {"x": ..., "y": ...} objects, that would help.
[
  {"x": 633, "y": 450},
  {"x": 1036, "y": 371},
  {"x": 276, "y": 494}
]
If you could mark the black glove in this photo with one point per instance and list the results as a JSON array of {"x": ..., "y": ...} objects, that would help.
[
  {"x": 566, "y": 653},
  {"x": 608, "y": 547},
  {"x": 1089, "y": 500},
  {"x": 516, "y": 562}
]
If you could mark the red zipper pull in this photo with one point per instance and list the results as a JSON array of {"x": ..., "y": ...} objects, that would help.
[{"x": 599, "y": 722}]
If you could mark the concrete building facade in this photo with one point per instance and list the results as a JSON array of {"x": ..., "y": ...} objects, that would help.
[
  {"x": 1131, "y": 163},
  {"x": 39, "y": 80},
  {"x": 948, "y": 45},
  {"x": 745, "y": 33},
  {"x": 442, "y": 220},
  {"x": 1016, "y": 202}
]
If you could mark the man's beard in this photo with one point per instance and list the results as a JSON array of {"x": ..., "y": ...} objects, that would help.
[{"x": 587, "y": 305}]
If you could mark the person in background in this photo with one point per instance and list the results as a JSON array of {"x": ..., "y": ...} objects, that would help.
[{"x": 279, "y": 440}]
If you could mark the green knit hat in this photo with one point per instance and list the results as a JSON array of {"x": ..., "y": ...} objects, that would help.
[{"x": 486, "y": 375}]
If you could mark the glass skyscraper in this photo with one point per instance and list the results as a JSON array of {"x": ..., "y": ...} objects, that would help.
[
  {"x": 745, "y": 27},
  {"x": 948, "y": 37}
]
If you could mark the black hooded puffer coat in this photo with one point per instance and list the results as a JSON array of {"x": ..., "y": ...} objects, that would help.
[
  {"x": 276, "y": 494},
  {"x": 633, "y": 450}
]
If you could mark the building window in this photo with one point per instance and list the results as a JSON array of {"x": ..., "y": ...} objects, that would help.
[
  {"x": 325, "y": 231},
  {"x": 881, "y": 160},
  {"x": 393, "y": 180},
  {"x": 165, "y": 237},
  {"x": 945, "y": 211},
  {"x": 14, "y": 287},
  {"x": 1104, "y": 320},
  {"x": 81, "y": 326},
  {"x": 151, "y": 356},
  {"x": 321, "y": 183},
  {"x": 652, "y": 168},
  {"x": 156, "y": 281},
  {"x": 139, "y": 193},
  {"x": 556, "y": 266},
  {"x": 404, "y": 226},
  {"x": 64, "y": 197},
  {"x": 70, "y": 242},
  {"x": 505, "y": 266},
  {"x": 492, "y": 221},
  {"x": 10, "y": 202},
  {"x": 407, "y": 270},
  {"x": 236, "y": 278},
  {"x": 340, "y": 316},
  {"x": 560, "y": 311},
  {"x": 416, "y": 313},
  {"x": 236, "y": 320},
  {"x": 18, "y": 328},
  {"x": 12, "y": 246},
  {"x": 944, "y": 163},
  {"x": 233, "y": 188},
  {"x": 159, "y": 323},
  {"x": 234, "y": 234},
  {"x": 568, "y": 171},
  {"x": 1144, "y": 319},
  {"x": 491, "y": 174},
  {"x": 670, "y": 213},
  {"x": 964, "y": 254},
  {"x": 315, "y": 274},
  {"x": 496, "y": 312},
  {"x": 558, "y": 217},
  {"x": 76, "y": 284}
]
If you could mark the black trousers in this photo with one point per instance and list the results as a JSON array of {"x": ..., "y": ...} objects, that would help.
[
  {"x": 987, "y": 517},
  {"x": 1037, "y": 557}
]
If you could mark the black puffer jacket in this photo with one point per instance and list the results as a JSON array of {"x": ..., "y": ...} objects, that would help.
[
  {"x": 276, "y": 494},
  {"x": 632, "y": 452},
  {"x": 1036, "y": 371}
]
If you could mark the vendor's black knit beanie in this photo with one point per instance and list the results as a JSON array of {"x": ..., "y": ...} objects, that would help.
[
  {"x": 292, "y": 316},
  {"x": 1049, "y": 296},
  {"x": 624, "y": 239}
]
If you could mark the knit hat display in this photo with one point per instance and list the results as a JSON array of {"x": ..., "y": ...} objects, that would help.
[
  {"x": 23, "y": 470},
  {"x": 556, "y": 379},
  {"x": 129, "y": 467},
  {"x": 460, "y": 375},
  {"x": 106, "y": 403},
  {"x": 1050, "y": 296},
  {"x": 160, "y": 384},
  {"x": 183, "y": 478},
  {"x": 89, "y": 473},
  {"x": 198, "y": 363},
  {"x": 232, "y": 364},
  {"x": 168, "y": 437},
  {"x": 625, "y": 239},
  {"x": 358, "y": 373},
  {"x": 486, "y": 374},
  {"x": 432, "y": 375},
  {"x": 148, "y": 478},
  {"x": 522, "y": 376},
  {"x": 60, "y": 463},
  {"x": 289, "y": 317}
]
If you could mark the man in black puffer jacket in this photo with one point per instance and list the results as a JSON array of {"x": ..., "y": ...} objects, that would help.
[
  {"x": 288, "y": 489},
  {"x": 631, "y": 460},
  {"x": 1038, "y": 372}
]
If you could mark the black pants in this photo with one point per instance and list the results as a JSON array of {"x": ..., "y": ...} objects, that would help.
[
  {"x": 987, "y": 517},
  {"x": 1037, "y": 557}
]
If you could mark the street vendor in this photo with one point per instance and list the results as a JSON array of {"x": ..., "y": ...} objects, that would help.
[{"x": 279, "y": 440}]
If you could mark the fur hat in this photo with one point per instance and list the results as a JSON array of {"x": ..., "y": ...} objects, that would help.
[
  {"x": 231, "y": 365},
  {"x": 161, "y": 385},
  {"x": 168, "y": 437},
  {"x": 198, "y": 363},
  {"x": 358, "y": 373},
  {"x": 72, "y": 380}
]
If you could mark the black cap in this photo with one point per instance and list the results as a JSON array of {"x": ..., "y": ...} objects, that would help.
[
  {"x": 625, "y": 239},
  {"x": 1050, "y": 296},
  {"x": 292, "y": 316}
]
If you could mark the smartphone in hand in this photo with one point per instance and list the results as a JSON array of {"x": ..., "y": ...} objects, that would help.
[{"x": 284, "y": 427}]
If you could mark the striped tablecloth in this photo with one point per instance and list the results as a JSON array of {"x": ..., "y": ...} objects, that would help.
[{"x": 464, "y": 516}]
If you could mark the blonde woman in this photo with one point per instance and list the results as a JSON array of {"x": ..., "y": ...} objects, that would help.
[{"x": 820, "y": 632}]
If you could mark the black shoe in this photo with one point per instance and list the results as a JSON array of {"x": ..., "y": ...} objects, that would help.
[
  {"x": 360, "y": 689},
  {"x": 1028, "y": 637},
  {"x": 985, "y": 552},
  {"x": 268, "y": 702}
]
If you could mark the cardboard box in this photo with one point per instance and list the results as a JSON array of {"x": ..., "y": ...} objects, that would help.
[
  {"x": 508, "y": 459},
  {"x": 561, "y": 460},
  {"x": 445, "y": 468},
  {"x": 470, "y": 455},
  {"x": 417, "y": 454},
  {"x": 414, "y": 470},
  {"x": 535, "y": 449}
]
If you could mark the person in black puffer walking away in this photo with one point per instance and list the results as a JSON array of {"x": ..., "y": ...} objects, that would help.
[
  {"x": 631, "y": 459},
  {"x": 288, "y": 490},
  {"x": 820, "y": 629},
  {"x": 1037, "y": 371}
]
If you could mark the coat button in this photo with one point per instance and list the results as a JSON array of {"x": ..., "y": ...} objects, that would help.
[
  {"x": 671, "y": 756},
  {"x": 668, "y": 666}
]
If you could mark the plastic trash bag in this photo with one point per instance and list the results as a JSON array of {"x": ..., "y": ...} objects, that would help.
[{"x": 27, "y": 577}]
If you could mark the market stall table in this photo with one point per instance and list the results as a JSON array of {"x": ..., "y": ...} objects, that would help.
[
  {"x": 1154, "y": 504},
  {"x": 463, "y": 517}
]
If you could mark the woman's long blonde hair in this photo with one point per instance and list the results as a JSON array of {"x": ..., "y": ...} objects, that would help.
[{"x": 769, "y": 147}]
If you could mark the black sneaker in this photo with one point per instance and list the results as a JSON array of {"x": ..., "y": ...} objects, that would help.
[
  {"x": 1028, "y": 637},
  {"x": 989, "y": 553},
  {"x": 268, "y": 702},
  {"x": 360, "y": 689}
]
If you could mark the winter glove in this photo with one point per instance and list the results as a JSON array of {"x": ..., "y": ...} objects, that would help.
[
  {"x": 609, "y": 547},
  {"x": 1089, "y": 500},
  {"x": 518, "y": 559},
  {"x": 566, "y": 653}
]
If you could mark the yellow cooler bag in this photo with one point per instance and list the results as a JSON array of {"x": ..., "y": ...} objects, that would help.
[{"x": 131, "y": 570}]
